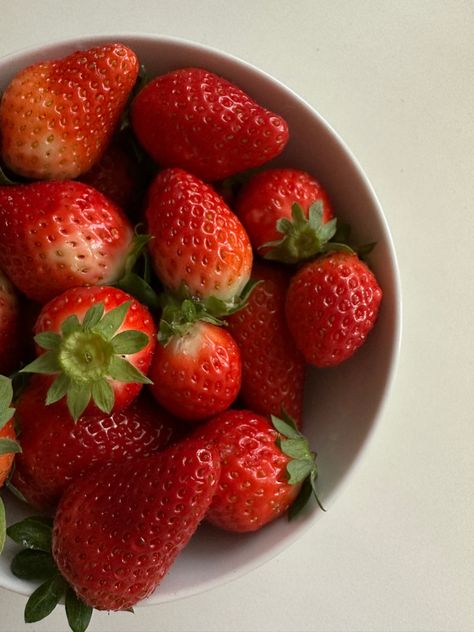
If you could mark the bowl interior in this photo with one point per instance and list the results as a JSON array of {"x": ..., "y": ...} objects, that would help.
[{"x": 343, "y": 404}]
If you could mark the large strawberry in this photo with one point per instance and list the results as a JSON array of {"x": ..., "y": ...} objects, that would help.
[
  {"x": 273, "y": 370},
  {"x": 57, "y": 117},
  {"x": 266, "y": 469},
  {"x": 194, "y": 119},
  {"x": 198, "y": 243},
  {"x": 117, "y": 531},
  {"x": 331, "y": 306},
  {"x": 265, "y": 205},
  {"x": 97, "y": 343},
  {"x": 58, "y": 235},
  {"x": 55, "y": 450},
  {"x": 10, "y": 337},
  {"x": 196, "y": 373}
]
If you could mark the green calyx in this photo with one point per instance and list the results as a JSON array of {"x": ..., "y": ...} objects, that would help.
[
  {"x": 7, "y": 446},
  {"x": 181, "y": 310},
  {"x": 303, "y": 238},
  {"x": 302, "y": 468},
  {"x": 87, "y": 356},
  {"x": 35, "y": 563}
]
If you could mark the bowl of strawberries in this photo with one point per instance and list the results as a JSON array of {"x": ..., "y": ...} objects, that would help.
[{"x": 200, "y": 320}]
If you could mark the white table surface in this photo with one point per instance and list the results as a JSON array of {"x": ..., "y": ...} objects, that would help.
[{"x": 396, "y": 80}]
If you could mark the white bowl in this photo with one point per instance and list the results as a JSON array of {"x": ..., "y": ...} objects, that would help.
[{"x": 343, "y": 404}]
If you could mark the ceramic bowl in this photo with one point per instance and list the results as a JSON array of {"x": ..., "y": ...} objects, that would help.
[{"x": 343, "y": 405}]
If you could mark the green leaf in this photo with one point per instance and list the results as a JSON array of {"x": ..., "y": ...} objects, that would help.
[
  {"x": 3, "y": 526},
  {"x": 78, "y": 613},
  {"x": 103, "y": 395},
  {"x": 32, "y": 533},
  {"x": 46, "y": 363},
  {"x": 285, "y": 428},
  {"x": 16, "y": 492},
  {"x": 70, "y": 325},
  {"x": 78, "y": 397},
  {"x": 123, "y": 371},
  {"x": 93, "y": 316},
  {"x": 5, "y": 416},
  {"x": 45, "y": 599},
  {"x": 301, "y": 500},
  {"x": 6, "y": 392},
  {"x": 48, "y": 340},
  {"x": 138, "y": 287},
  {"x": 112, "y": 320},
  {"x": 9, "y": 446},
  {"x": 33, "y": 565},
  {"x": 58, "y": 389},
  {"x": 127, "y": 342},
  {"x": 298, "y": 470},
  {"x": 296, "y": 448}
]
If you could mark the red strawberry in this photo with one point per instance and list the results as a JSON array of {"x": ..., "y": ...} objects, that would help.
[
  {"x": 118, "y": 530},
  {"x": 194, "y": 119},
  {"x": 58, "y": 235},
  {"x": 99, "y": 342},
  {"x": 331, "y": 306},
  {"x": 273, "y": 370},
  {"x": 197, "y": 240},
  {"x": 262, "y": 469},
  {"x": 196, "y": 374},
  {"x": 11, "y": 342},
  {"x": 268, "y": 198},
  {"x": 56, "y": 451},
  {"x": 57, "y": 117}
]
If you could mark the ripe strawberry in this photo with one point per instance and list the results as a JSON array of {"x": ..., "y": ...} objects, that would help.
[
  {"x": 331, "y": 306},
  {"x": 99, "y": 342},
  {"x": 264, "y": 468},
  {"x": 197, "y": 241},
  {"x": 58, "y": 235},
  {"x": 273, "y": 370},
  {"x": 57, "y": 117},
  {"x": 56, "y": 451},
  {"x": 10, "y": 338},
  {"x": 268, "y": 198},
  {"x": 196, "y": 374},
  {"x": 194, "y": 119}
]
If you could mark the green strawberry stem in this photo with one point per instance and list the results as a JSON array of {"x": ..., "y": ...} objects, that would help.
[
  {"x": 87, "y": 356},
  {"x": 302, "y": 468},
  {"x": 137, "y": 282}
]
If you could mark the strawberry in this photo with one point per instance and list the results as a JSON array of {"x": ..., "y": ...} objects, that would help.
[
  {"x": 55, "y": 451},
  {"x": 331, "y": 306},
  {"x": 58, "y": 235},
  {"x": 117, "y": 531},
  {"x": 265, "y": 207},
  {"x": 97, "y": 343},
  {"x": 197, "y": 241},
  {"x": 196, "y": 120},
  {"x": 273, "y": 370},
  {"x": 10, "y": 338},
  {"x": 196, "y": 373},
  {"x": 58, "y": 116},
  {"x": 264, "y": 469}
]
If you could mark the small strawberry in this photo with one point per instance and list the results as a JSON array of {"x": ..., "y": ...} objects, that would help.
[
  {"x": 197, "y": 241},
  {"x": 196, "y": 373},
  {"x": 273, "y": 370},
  {"x": 57, "y": 117},
  {"x": 331, "y": 306},
  {"x": 196, "y": 120},
  {"x": 56, "y": 451},
  {"x": 97, "y": 344},
  {"x": 58, "y": 235},
  {"x": 265, "y": 207},
  {"x": 265, "y": 469},
  {"x": 117, "y": 531},
  {"x": 11, "y": 342}
]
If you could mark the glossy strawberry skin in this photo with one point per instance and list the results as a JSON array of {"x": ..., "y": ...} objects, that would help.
[
  {"x": 198, "y": 374},
  {"x": 253, "y": 487},
  {"x": 268, "y": 196},
  {"x": 331, "y": 306},
  {"x": 11, "y": 338},
  {"x": 273, "y": 370},
  {"x": 58, "y": 235},
  {"x": 77, "y": 301},
  {"x": 55, "y": 450},
  {"x": 197, "y": 240},
  {"x": 118, "y": 530},
  {"x": 57, "y": 117},
  {"x": 194, "y": 119}
]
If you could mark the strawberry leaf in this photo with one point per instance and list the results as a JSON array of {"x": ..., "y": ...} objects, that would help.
[
  {"x": 123, "y": 371},
  {"x": 70, "y": 325},
  {"x": 48, "y": 340},
  {"x": 78, "y": 613},
  {"x": 45, "y": 599},
  {"x": 47, "y": 363},
  {"x": 9, "y": 446},
  {"x": 5, "y": 416},
  {"x": 58, "y": 389},
  {"x": 32, "y": 533},
  {"x": 103, "y": 395},
  {"x": 112, "y": 320},
  {"x": 93, "y": 316},
  {"x": 127, "y": 342},
  {"x": 78, "y": 397},
  {"x": 33, "y": 565}
]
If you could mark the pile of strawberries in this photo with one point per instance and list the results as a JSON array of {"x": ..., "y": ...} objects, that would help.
[{"x": 176, "y": 288}]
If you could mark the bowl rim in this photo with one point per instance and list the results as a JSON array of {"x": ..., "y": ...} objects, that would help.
[{"x": 143, "y": 38}]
